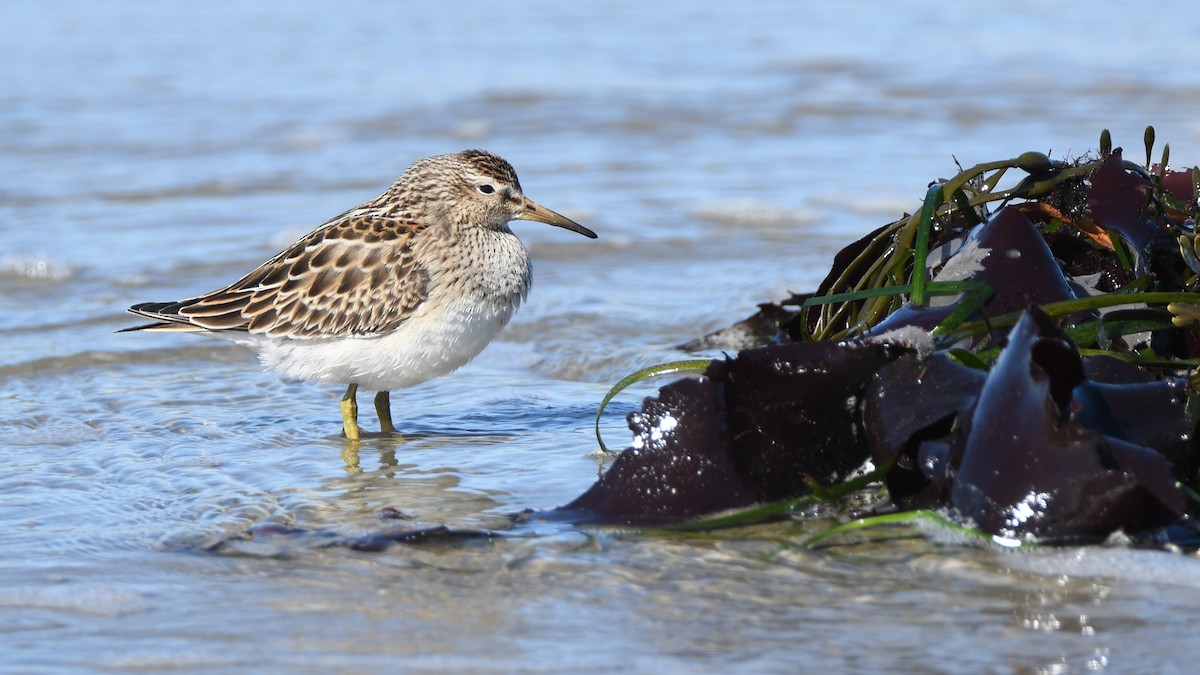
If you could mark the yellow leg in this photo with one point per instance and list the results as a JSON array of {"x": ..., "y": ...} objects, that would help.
[
  {"x": 350, "y": 413},
  {"x": 383, "y": 408}
]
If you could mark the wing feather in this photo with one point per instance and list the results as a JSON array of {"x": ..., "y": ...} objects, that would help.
[{"x": 355, "y": 276}]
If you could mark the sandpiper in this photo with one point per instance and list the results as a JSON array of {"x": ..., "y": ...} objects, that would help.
[{"x": 399, "y": 290}]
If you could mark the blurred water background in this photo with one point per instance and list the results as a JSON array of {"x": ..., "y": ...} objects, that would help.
[{"x": 723, "y": 151}]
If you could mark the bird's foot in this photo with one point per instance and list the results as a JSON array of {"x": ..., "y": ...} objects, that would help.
[
  {"x": 350, "y": 414},
  {"x": 383, "y": 408}
]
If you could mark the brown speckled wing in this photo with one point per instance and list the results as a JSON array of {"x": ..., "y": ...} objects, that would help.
[{"x": 354, "y": 276}]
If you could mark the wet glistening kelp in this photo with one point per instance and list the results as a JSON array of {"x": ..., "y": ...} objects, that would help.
[{"x": 1019, "y": 361}]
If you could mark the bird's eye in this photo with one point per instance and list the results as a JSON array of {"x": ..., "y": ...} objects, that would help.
[{"x": 486, "y": 188}]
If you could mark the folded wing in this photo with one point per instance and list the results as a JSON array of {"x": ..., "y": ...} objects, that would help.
[{"x": 356, "y": 276}]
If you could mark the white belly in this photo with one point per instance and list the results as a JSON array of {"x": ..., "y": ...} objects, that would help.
[
  {"x": 472, "y": 296},
  {"x": 428, "y": 345}
]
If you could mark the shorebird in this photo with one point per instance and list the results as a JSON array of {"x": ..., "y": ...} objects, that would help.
[{"x": 399, "y": 290}]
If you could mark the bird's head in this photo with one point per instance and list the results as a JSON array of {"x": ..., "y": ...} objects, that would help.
[{"x": 475, "y": 188}]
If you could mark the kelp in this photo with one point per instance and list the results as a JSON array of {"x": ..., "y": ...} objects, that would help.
[
  {"x": 1017, "y": 359},
  {"x": 748, "y": 431},
  {"x": 1034, "y": 448}
]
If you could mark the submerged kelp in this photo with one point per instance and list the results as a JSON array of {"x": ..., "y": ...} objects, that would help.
[{"x": 1024, "y": 370}]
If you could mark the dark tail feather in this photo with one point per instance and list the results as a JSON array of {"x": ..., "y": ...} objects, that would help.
[
  {"x": 164, "y": 314},
  {"x": 159, "y": 325}
]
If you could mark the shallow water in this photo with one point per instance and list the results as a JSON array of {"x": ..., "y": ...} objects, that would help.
[{"x": 723, "y": 154}]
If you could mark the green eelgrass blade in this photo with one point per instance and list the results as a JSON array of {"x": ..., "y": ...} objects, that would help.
[
  {"x": 933, "y": 199},
  {"x": 1195, "y": 191},
  {"x": 1191, "y": 494},
  {"x": 1080, "y": 336},
  {"x": 1119, "y": 250},
  {"x": 931, "y": 288},
  {"x": 971, "y": 302},
  {"x": 964, "y": 207},
  {"x": 1143, "y": 361},
  {"x": 758, "y": 514},
  {"x": 1089, "y": 303},
  {"x": 852, "y": 296},
  {"x": 968, "y": 359},
  {"x": 905, "y": 517},
  {"x": 688, "y": 365},
  {"x": 1120, "y": 322}
]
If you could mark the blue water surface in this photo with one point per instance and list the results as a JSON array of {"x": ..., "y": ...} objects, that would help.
[{"x": 723, "y": 151}]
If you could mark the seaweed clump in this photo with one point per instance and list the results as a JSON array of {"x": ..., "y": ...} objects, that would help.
[{"x": 1019, "y": 360}]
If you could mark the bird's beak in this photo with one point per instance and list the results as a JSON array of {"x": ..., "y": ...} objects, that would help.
[{"x": 536, "y": 212}]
